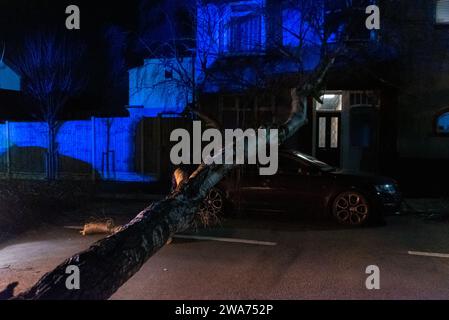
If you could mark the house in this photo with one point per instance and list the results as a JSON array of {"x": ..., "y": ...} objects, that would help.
[
  {"x": 386, "y": 105},
  {"x": 157, "y": 88},
  {"x": 270, "y": 45}
]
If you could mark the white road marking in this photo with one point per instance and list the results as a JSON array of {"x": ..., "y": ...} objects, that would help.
[
  {"x": 233, "y": 240},
  {"x": 73, "y": 227},
  {"x": 180, "y": 236},
  {"x": 429, "y": 254}
]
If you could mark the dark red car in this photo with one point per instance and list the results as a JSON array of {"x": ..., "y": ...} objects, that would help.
[{"x": 307, "y": 186}]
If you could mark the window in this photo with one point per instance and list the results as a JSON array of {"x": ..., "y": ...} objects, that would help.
[
  {"x": 442, "y": 12},
  {"x": 246, "y": 33},
  {"x": 291, "y": 22},
  {"x": 363, "y": 98},
  {"x": 297, "y": 29},
  {"x": 331, "y": 102},
  {"x": 322, "y": 132},
  {"x": 334, "y": 132},
  {"x": 243, "y": 27},
  {"x": 442, "y": 123}
]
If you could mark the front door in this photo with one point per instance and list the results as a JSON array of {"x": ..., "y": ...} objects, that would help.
[{"x": 328, "y": 128}]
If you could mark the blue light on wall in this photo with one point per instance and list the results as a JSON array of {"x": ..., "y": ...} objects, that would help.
[
  {"x": 104, "y": 145},
  {"x": 161, "y": 85},
  {"x": 295, "y": 29}
]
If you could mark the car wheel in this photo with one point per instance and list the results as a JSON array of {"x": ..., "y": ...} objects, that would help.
[
  {"x": 212, "y": 207},
  {"x": 351, "y": 208}
]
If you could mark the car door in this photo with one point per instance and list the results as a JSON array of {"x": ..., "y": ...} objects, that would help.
[
  {"x": 274, "y": 193},
  {"x": 289, "y": 185},
  {"x": 298, "y": 187},
  {"x": 256, "y": 191}
]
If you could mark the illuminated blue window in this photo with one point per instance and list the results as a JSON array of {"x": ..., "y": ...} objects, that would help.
[
  {"x": 291, "y": 20},
  {"x": 243, "y": 27},
  {"x": 297, "y": 31},
  {"x": 246, "y": 33},
  {"x": 442, "y": 124}
]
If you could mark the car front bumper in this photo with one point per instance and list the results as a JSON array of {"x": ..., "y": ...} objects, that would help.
[{"x": 390, "y": 203}]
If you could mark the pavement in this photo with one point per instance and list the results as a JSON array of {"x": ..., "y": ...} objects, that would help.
[{"x": 263, "y": 258}]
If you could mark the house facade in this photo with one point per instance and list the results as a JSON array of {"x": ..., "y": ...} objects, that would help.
[
  {"x": 385, "y": 108},
  {"x": 156, "y": 87},
  {"x": 272, "y": 44},
  {"x": 386, "y": 103}
]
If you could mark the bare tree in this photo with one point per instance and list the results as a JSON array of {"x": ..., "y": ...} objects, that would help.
[{"x": 50, "y": 67}]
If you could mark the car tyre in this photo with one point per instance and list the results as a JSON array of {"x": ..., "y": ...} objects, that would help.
[
  {"x": 352, "y": 208},
  {"x": 213, "y": 205}
]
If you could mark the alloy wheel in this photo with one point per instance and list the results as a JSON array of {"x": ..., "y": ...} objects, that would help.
[
  {"x": 351, "y": 208},
  {"x": 213, "y": 203}
]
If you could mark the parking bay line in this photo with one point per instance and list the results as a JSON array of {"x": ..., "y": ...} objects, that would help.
[
  {"x": 429, "y": 254},
  {"x": 232, "y": 240}
]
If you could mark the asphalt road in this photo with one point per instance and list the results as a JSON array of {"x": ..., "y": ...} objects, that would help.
[{"x": 304, "y": 261}]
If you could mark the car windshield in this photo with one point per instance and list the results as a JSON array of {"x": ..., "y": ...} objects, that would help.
[{"x": 313, "y": 161}]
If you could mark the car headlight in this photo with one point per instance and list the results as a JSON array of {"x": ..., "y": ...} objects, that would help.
[{"x": 386, "y": 188}]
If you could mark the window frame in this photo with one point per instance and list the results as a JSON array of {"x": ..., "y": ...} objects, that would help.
[
  {"x": 436, "y": 23},
  {"x": 257, "y": 42},
  {"x": 436, "y": 117},
  {"x": 226, "y": 46}
]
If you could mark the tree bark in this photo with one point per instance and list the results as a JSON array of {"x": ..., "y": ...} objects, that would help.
[{"x": 110, "y": 262}]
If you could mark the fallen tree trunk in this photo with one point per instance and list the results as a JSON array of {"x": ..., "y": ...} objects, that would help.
[{"x": 110, "y": 262}]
